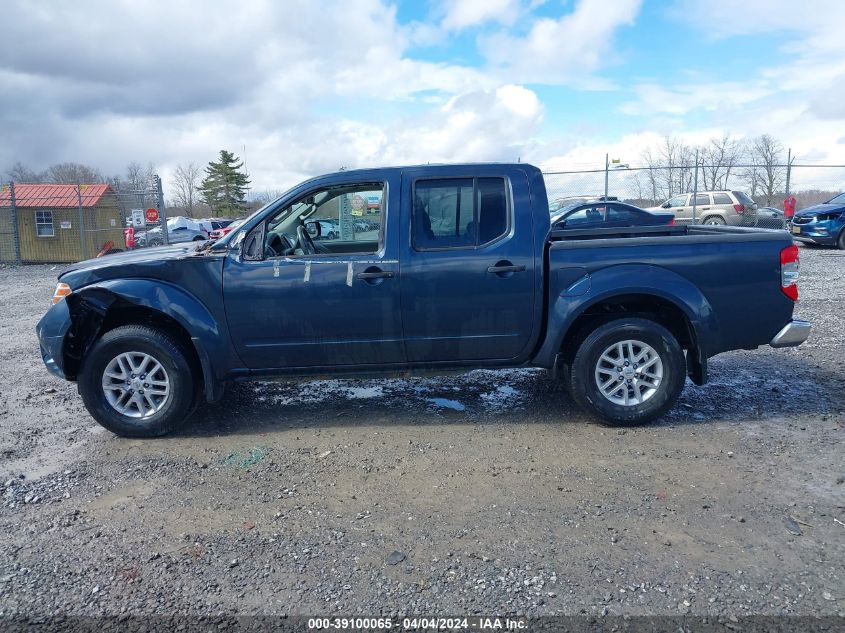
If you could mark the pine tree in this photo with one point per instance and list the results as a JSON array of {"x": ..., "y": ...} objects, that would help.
[{"x": 224, "y": 186}]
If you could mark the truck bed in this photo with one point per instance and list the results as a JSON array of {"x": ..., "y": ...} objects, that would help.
[
  {"x": 696, "y": 233},
  {"x": 728, "y": 277}
]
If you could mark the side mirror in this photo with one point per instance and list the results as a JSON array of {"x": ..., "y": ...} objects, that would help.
[
  {"x": 252, "y": 247},
  {"x": 313, "y": 229},
  {"x": 665, "y": 205}
]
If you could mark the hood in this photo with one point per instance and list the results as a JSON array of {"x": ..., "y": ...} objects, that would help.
[
  {"x": 820, "y": 208},
  {"x": 139, "y": 263}
]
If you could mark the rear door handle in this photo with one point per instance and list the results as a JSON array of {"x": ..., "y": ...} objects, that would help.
[
  {"x": 505, "y": 269},
  {"x": 381, "y": 274}
]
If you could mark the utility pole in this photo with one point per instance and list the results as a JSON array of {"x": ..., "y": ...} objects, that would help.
[
  {"x": 15, "y": 232},
  {"x": 789, "y": 160},
  {"x": 695, "y": 188},
  {"x": 82, "y": 252},
  {"x": 606, "y": 172},
  {"x": 162, "y": 213}
]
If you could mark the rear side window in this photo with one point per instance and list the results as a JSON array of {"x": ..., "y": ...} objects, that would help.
[
  {"x": 743, "y": 198},
  {"x": 722, "y": 198},
  {"x": 620, "y": 214},
  {"x": 459, "y": 212},
  {"x": 702, "y": 198}
]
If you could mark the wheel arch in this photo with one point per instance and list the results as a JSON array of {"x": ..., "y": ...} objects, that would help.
[
  {"x": 102, "y": 307},
  {"x": 667, "y": 298}
]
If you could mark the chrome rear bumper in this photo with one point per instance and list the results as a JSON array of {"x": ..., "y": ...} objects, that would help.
[{"x": 793, "y": 333}]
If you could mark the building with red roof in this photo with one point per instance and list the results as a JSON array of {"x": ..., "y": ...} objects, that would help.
[{"x": 57, "y": 222}]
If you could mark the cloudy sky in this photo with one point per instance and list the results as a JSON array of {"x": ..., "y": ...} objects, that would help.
[{"x": 303, "y": 87}]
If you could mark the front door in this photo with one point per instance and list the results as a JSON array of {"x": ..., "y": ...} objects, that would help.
[
  {"x": 467, "y": 271},
  {"x": 333, "y": 302}
]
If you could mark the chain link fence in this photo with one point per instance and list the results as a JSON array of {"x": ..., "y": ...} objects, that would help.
[
  {"x": 650, "y": 187},
  {"x": 66, "y": 223},
  {"x": 62, "y": 223}
]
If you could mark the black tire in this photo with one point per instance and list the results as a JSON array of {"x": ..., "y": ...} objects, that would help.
[
  {"x": 582, "y": 375},
  {"x": 714, "y": 220},
  {"x": 841, "y": 241},
  {"x": 176, "y": 407}
]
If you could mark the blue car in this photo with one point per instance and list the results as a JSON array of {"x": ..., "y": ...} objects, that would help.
[{"x": 822, "y": 223}]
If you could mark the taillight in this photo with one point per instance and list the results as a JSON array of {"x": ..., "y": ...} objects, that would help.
[
  {"x": 672, "y": 222},
  {"x": 62, "y": 291},
  {"x": 740, "y": 208},
  {"x": 789, "y": 272}
]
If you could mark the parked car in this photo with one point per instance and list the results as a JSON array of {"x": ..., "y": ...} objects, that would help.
[
  {"x": 558, "y": 203},
  {"x": 622, "y": 321},
  {"x": 593, "y": 215},
  {"x": 214, "y": 224},
  {"x": 732, "y": 208},
  {"x": 179, "y": 229},
  {"x": 216, "y": 234},
  {"x": 822, "y": 223},
  {"x": 323, "y": 229},
  {"x": 770, "y": 218}
]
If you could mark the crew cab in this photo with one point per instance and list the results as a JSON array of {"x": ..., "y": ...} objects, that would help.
[{"x": 464, "y": 271}]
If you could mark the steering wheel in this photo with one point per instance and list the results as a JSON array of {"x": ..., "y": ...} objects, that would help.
[{"x": 305, "y": 241}]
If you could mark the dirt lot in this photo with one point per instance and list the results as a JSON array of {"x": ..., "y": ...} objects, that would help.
[{"x": 487, "y": 493}]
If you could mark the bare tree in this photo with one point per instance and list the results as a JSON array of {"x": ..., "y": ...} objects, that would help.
[
  {"x": 767, "y": 175},
  {"x": 677, "y": 158},
  {"x": 652, "y": 174},
  {"x": 138, "y": 178},
  {"x": 719, "y": 157},
  {"x": 73, "y": 173},
  {"x": 185, "y": 180},
  {"x": 21, "y": 173}
]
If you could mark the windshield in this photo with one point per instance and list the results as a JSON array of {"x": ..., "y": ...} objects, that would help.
[{"x": 840, "y": 199}]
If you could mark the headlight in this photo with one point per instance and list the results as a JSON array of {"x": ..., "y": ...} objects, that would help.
[{"x": 62, "y": 291}]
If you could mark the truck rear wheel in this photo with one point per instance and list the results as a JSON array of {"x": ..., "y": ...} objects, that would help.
[
  {"x": 136, "y": 381},
  {"x": 628, "y": 371}
]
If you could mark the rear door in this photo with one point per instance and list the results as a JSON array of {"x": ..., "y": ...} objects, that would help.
[
  {"x": 701, "y": 208},
  {"x": 467, "y": 270}
]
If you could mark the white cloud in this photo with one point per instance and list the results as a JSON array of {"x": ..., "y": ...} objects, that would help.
[
  {"x": 460, "y": 14},
  {"x": 562, "y": 50}
]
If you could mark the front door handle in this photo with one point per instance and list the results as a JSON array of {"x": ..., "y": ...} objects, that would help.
[{"x": 508, "y": 268}]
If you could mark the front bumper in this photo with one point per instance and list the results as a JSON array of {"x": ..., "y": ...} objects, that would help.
[
  {"x": 793, "y": 333},
  {"x": 51, "y": 330}
]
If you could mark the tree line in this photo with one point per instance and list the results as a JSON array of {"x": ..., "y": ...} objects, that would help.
[
  {"x": 218, "y": 189},
  {"x": 757, "y": 165}
]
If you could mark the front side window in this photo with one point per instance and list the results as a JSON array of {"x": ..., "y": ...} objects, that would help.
[
  {"x": 337, "y": 220},
  {"x": 459, "y": 212},
  {"x": 677, "y": 201},
  {"x": 44, "y": 224}
]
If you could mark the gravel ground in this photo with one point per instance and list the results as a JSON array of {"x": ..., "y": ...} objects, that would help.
[{"x": 484, "y": 493}]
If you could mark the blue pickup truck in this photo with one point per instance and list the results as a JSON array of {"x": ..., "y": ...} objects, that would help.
[{"x": 460, "y": 269}]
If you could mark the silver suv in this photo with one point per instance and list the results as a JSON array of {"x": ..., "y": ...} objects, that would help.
[{"x": 712, "y": 207}]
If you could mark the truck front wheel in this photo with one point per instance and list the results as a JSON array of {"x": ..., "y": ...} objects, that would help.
[
  {"x": 628, "y": 371},
  {"x": 137, "y": 382}
]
